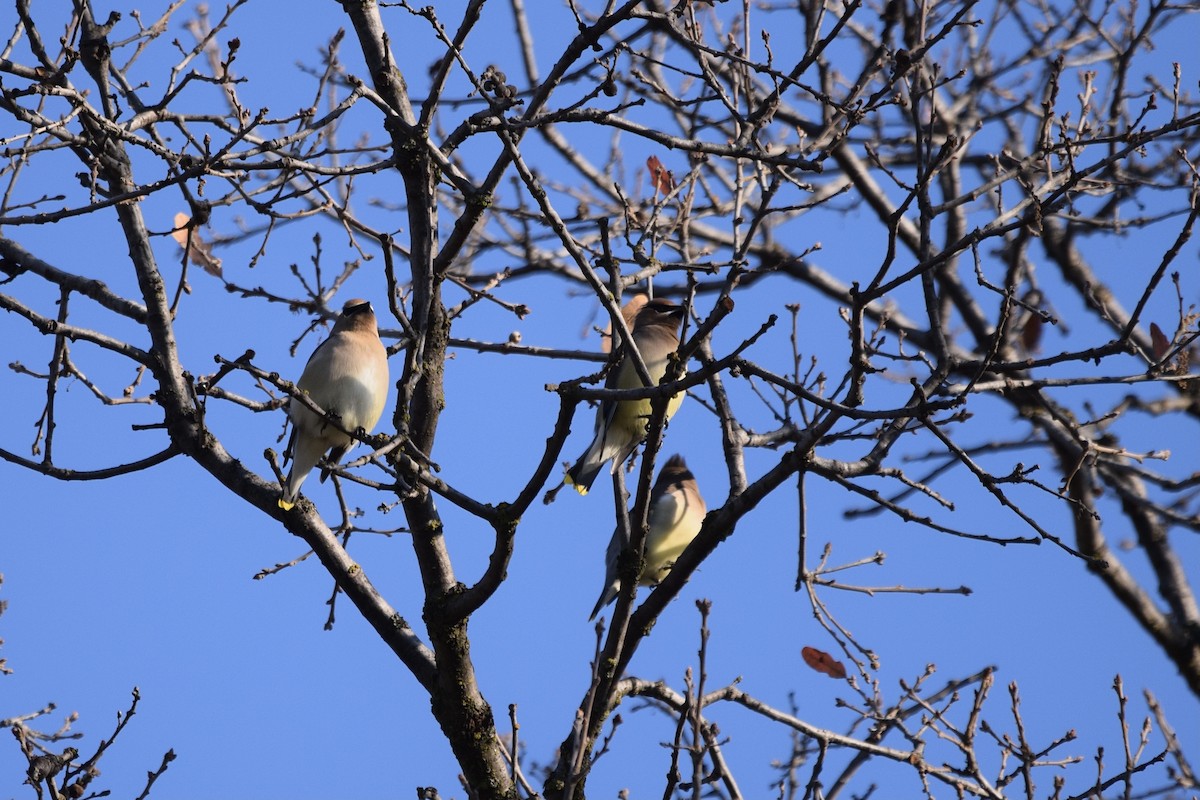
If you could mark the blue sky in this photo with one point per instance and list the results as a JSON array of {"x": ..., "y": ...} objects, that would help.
[{"x": 147, "y": 580}]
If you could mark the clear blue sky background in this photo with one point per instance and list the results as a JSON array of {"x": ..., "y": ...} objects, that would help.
[{"x": 146, "y": 580}]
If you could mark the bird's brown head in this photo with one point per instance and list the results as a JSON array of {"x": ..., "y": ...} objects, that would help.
[
  {"x": 357, "y": 314},
  {"x": 660, "y": 311},
  {"x": 674, "y": 471},
  {"x": 675, "y": 477},
  {"x": 357, "y": 306}
]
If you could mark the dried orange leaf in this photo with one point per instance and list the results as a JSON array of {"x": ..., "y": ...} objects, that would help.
[
  {"x": 823, "y": 662},
  {"x": 1031, "y": 334},
  {"x": 1159, "y": 342},
  {"x": 180, "y": 234},
  {"x": 199, "y": 250},
  {"x": 660, "y": 176}
]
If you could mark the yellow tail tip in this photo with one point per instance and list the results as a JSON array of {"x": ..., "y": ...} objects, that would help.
[
  {"x": 576, "y": 486},
  {"x": 285, "y": 505}
]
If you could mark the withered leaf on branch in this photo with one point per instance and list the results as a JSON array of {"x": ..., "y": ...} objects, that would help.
[
  {"x": 1159, "y": 341},
  {"x": 823, "y": 662},
  {"x": 1031, "y": 334},
  {"x": 200, "y": 251},
  {"x": 660, "y": 177}
]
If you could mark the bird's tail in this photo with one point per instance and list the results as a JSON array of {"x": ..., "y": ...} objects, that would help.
[
  {"x": 609, "y": 445},
  {"x": 307, "y": 452},
  {"x": 607, "y": 596},
  {"x": 581, "y": 476},
  {"x": 291, "y": 489}
]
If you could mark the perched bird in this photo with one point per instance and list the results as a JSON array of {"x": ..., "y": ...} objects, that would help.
[
  {"x": 621, "y": 424},
  {"x": 674, "y": 518},
  {"x": 347, "y": 375}
]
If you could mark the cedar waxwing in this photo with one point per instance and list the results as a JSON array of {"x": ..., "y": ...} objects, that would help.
[
  {"x": 674, "y": 518},
  {"x": 621, "y": 425},
  {"x": 346, "y": 375}
]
